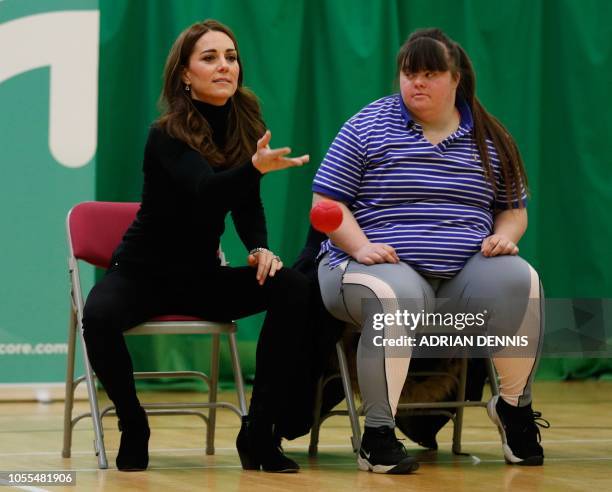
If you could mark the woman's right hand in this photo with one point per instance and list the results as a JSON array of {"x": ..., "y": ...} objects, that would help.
[
  {"x": 371, "y": 253},
  {"x": 267, "y": 160}
]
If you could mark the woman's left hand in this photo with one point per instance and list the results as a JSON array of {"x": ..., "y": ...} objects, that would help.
[
  {"x": 267, "y": 264},
  {"x": 267, "y": 160},
  {"x": 498, "y": 245}
]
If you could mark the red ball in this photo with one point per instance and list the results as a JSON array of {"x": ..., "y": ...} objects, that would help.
[{"x": 326, "y": 216}]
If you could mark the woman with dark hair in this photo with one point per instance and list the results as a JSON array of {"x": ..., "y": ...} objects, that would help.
[
  {"x": 433, "y": 193},
  {"x": 204, "y": 158}
]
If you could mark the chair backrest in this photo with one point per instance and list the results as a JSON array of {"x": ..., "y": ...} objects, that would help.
[{"x": 96, "y": 228}]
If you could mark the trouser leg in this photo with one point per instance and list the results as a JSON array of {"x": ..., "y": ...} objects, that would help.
[
  {"x": 116, "y": 303},
  {"x": 281, "y": 366},
  {"x": 509, "y": 288},
  {"x": 381, "y": 369}
]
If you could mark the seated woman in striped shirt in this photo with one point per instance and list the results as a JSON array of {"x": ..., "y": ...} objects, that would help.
[{"x": 433, "y": 193}]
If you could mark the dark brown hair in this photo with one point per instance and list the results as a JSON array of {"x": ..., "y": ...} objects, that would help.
[
  {"x": 182, "y": 120},
  {"x": 431, "y": 49}
]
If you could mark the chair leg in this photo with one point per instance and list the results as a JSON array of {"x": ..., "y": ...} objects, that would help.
[
  {"x": 350, "y": 401},
  {"x": 69, "y": 398},
  {"x": 316, "y": 420},
  {"x": 93, "y": 405},
  {"x": 212, "y": 395},
  {"x": 237, "y": 373},
  {"x": 458, "y": 421},
  {"x": 492, "y": 375}
]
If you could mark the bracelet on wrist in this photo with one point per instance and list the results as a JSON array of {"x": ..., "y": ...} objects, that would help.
[{"x": 259, "y": 250}]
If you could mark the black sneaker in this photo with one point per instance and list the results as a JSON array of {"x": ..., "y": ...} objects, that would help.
[
  {"x": 518, "y": 428},
  {"x": 381, "y": 452}
]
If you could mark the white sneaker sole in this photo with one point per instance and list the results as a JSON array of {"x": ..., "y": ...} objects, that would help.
[{"x": 404, "y": 467}]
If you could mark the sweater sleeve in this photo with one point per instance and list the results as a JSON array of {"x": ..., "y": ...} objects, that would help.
[
  {"x": 250, "y": 220},
  {"x": 192, "y": 173}
]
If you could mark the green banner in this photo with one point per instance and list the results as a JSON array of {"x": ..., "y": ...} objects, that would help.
[
  {"x": 48, "y": 137},
  {"x": 543, "y": 67}
]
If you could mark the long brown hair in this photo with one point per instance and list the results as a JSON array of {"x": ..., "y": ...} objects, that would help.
[
  {"x": 183, "y": 121},
  {"x": 432, "y": 49}
]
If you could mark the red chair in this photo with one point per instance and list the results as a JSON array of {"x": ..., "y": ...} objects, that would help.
[{"x": 94, "y": 230}]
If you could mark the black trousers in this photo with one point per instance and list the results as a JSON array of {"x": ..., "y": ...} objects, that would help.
[{"x": 127, "y": 296}]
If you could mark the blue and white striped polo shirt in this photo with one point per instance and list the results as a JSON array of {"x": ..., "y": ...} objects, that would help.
[{"x": 432, "y": 203}]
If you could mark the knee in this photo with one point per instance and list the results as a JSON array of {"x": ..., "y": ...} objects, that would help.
[
  {"x": 99, "y": 319},
  {"x": 518, "y": 278},
  {"x": 94, "y": 319},
  {"x": 389, "y": 284},
  {"x": 391, "y": 290},
  {"x": 508, "y": 277},
  {"x": 291, "y": 284}
]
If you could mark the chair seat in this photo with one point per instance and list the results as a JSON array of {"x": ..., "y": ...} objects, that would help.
[{"x": 178, "y": 324}]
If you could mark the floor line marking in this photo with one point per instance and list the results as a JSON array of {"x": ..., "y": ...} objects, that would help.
[{"x": 299, "y": 447}]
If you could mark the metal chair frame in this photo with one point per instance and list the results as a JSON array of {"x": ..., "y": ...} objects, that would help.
[{"x": 415, "y": 408}]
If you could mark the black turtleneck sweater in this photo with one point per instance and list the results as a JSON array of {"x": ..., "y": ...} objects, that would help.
[{"x": 185, "y": 201}]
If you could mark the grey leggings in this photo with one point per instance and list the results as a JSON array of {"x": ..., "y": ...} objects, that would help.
[{"x": 382, "y": 373}]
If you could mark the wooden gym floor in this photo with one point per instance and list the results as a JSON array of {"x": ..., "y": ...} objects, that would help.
[{"x": 578, "y": 449}]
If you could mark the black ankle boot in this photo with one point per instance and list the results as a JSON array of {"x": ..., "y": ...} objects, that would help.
[
  {"x": 134, "y": 448},
  {"x": 259, "y": 448}
]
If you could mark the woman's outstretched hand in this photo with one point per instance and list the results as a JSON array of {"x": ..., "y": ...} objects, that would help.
[{"x": 267, "y": 160}]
